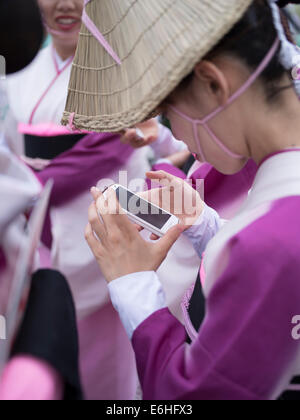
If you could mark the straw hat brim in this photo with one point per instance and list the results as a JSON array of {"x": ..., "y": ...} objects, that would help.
[{"x": 159, "y": 43}]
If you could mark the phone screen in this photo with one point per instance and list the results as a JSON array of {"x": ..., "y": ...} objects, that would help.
[{"x": 142, "y": 209}]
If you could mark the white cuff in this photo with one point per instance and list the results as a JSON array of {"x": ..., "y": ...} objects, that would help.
[
  {"x": 162, "y": 161},
  {"x": 135, "y": 297},
  {"x": 205, "y": 228}
]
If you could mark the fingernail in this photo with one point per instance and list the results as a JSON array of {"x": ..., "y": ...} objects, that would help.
[
  {"x": 140, "y": 134},
  {"x": 95, "y": 190}
]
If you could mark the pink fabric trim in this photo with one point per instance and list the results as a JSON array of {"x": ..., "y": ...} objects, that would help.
[
  {"x": 45, "y": 257},
  {"x": 97, "y": 34},
  {"x": 26, "y": 378},
  {"x": 71, "y": 127},
  {"x": 293, "y": 388},
  {"x": 36, "y": 164},
  {"x": 192, "y": 333},
  {"x": 58, "y": 73},
  {"x": 41, "y": 99},
  {"x": 46, "y": 130},
  {"x": 278, "y": 153},
  {"x": 202, "y": 272}
]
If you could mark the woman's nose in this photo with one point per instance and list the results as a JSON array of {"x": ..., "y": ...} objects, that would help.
[{"x": 66, "y": 5}]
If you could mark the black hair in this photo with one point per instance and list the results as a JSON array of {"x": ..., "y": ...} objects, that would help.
[
  {"x": 21, "y": 32},
  {"x": 250, "y": 40}
]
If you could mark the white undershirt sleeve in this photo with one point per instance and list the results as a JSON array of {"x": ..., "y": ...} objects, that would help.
[{"x": 135, "y": 297}]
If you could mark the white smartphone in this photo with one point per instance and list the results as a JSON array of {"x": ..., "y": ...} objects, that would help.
[{"x": 142, "y": 212}]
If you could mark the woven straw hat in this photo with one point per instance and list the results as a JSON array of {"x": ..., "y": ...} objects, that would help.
[{"x": 158, "y": 42}]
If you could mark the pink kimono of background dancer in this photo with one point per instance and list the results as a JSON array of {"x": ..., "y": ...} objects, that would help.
[
  {"x": 76, "y": 161},
  {"x": 23, "y": 377}
]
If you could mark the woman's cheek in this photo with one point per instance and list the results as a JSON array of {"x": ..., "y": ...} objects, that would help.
[
  {"x": 183, "y": 131},
  {"x": 46, "y": 11}
]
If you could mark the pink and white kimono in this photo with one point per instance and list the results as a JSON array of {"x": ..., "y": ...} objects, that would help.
[
  {"x": 76, "y": 162},
  {"x": 23, "y": 377},
  {"x": 19, "y": 188},
  {"x": 242, "y": 347}
]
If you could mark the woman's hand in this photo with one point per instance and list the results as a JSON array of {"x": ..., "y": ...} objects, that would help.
[
  {"x": 176, "y": 196},
  {"x": 150, "y": 130},
  {"x": 179, "y": 159},
  {"x": 116, "y": 243}
]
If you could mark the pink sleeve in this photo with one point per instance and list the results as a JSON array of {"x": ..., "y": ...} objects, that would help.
[
  {"x": 26, "y": 378},
  {"x": 244, "y": 349},
  {"x": 80, "y": 168}
]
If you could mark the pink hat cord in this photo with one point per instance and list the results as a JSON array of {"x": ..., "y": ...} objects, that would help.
[
  {"x": 97, "y": 34},
  {"x": 203, "y": 122}
]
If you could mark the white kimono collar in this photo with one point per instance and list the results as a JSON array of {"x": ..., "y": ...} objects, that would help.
[{"x": 278, "y": 177}]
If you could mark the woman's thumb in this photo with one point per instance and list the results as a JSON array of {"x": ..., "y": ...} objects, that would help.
[{"x": 166, "y": 243}]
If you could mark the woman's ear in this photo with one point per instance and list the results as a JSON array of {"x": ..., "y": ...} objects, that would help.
[{"x": 213, "y": 81}]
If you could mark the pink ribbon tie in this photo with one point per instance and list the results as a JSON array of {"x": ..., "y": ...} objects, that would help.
[{"x": 97, "y": 34}]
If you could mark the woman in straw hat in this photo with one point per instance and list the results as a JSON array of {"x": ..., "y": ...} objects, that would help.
[{"x": 221, "y": 72}]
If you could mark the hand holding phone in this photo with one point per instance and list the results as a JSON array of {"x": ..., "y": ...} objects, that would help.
[
  {"x": 176, "y": 195},
  {"x": 143, "y": 135},
  {"x": 116, "y": 244}
]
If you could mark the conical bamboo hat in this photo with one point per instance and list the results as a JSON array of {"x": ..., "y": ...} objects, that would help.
[{"x": 158, "y": 42}]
